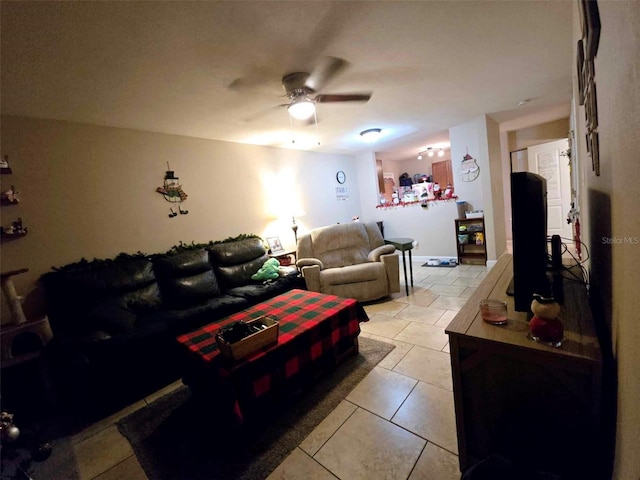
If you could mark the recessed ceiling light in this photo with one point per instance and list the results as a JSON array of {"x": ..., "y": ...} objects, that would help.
[{"x": 371, "y": 135}]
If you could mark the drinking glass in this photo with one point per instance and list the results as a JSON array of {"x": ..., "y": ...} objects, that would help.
[{"x": 493, "y": 311}]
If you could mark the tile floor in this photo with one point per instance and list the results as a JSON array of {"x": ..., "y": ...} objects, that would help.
[{"x": 398, "y": 423}]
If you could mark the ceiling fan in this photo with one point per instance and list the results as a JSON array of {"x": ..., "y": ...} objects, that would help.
[{"x": 303, "y": 89}]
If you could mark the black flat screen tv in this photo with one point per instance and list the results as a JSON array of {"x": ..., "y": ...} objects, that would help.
[{"x": 529, "y": 229}]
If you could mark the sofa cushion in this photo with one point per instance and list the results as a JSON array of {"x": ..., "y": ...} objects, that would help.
[
  {"x": 183, "y": 320},
  {"x": 75, "y": 291},
  {"x": 143, "y": 299},
  {"x": 341, "y": 245},
  {"x": 186, "y": 278},
  {"x": 235, "y": 262},
  {"x": 119, "y": 276},
  {"x": 256, "y": 293},
  {"x": 363, "y": 272},
  {"x": 112, "y": 317}
]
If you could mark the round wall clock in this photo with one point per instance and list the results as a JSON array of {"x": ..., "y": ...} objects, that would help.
[{"x": 341, "y": 177}]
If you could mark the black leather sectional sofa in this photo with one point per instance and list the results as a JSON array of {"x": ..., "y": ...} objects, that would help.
[{"x": 115, "y": 321}]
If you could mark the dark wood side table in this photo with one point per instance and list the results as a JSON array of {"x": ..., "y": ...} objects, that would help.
[
  {"x": 524, "y": 400},
  {"x": 403, "y": 244}
]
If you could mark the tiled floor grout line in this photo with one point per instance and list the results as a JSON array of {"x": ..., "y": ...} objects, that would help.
[
  {"x": 340, "y": 426},
  {"x": 133, "y": 454},
  {"x": 390, "y": 420},
  {"x": 311, "y": 457},
  {"x": 417, "y": 459},
  {"x": 405, "y": 398}
]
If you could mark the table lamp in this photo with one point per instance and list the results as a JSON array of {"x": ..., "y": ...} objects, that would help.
[{"x": 294, "y": 226}]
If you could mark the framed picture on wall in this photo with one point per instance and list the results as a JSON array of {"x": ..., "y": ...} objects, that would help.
[
  {"x": 275, "y": 245},
  {"x": 590, "y": 19},
  {"x": 580, "y": 68}
]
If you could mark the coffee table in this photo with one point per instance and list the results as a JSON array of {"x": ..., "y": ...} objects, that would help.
[{"x": 316, "y": 332}]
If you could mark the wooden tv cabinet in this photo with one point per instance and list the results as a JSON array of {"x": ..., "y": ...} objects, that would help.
[{"x": 523, "y": 400}]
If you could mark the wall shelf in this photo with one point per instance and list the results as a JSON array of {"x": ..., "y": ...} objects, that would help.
[
  {"x": 474, "y": 250},
  {"x": 7, "y": 237},
  {"x": 8, "y": 199}
]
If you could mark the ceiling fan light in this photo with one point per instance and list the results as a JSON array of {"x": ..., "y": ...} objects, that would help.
[
  {"x": 441, "y": 153},
  {"x": 371, "y": 135},
  {"x": 420, "y": 156},
  {"x": 430, "y": 152},
  {"x": 301, "y": 108}
]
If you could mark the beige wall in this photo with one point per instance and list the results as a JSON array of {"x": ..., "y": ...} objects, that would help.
[
  {"x": 538, "y": 134},
  {"x": 89, "y": 191},
  {"x": 610, "y": 211},
  {"x": 480, "y": 138},
  {"x": 494, "y": 190}
]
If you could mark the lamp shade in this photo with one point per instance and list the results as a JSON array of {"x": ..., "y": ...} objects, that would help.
[{"x": 301, "y": 108}]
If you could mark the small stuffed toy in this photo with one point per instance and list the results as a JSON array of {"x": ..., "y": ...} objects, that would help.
[{"x": 268, "y": 271}]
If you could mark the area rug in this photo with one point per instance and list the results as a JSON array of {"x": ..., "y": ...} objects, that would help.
[
  {"x": 172, "y": 440},
  {"x": 61, "y": 463}
]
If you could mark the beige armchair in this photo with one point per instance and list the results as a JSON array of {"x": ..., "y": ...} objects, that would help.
[{"x": 349, "y": 260}]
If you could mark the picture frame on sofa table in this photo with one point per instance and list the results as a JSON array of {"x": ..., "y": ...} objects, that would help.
[{"x": 275, "y": 245}]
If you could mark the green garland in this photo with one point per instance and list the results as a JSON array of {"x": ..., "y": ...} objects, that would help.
[
  {"x": 84, "y": 265},
  {"x": 95, "y": 264}
]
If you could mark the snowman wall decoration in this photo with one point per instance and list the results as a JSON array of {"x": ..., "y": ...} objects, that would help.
[{"x": 172, "y": 192}]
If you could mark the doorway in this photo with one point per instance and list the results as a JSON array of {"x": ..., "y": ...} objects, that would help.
[{"x": 548, "y": 160}]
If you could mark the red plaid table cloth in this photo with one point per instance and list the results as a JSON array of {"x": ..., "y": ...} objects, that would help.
[{"x": 312, "y": 327}]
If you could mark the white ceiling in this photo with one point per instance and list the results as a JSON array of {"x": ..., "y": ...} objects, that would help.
[{"x": 167, "y": 66}]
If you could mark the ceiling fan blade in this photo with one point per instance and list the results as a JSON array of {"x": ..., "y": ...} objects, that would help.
[
  {"x": 348, "y": 97},
  {"x": 244, "y": 82},
  {"x": 259, "y": 115},
  {"x": 259, "y": 78},
  {"x": 328, "y": 68}
]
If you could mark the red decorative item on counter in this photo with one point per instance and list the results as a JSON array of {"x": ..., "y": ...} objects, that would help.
[{"x": 545, "y": 326}]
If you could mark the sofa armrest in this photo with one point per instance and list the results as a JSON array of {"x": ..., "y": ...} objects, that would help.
[
  {"x": 392, "y": 266},
  {"x": 311, "y": 275},
  {"x": 376, "y": 253},
  {"x": 309, "y": 262}
]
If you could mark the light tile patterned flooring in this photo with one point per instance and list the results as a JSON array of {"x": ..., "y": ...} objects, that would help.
[{"x": 398, "y": 423}]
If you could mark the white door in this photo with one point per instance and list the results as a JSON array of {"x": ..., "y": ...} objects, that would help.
[{"x": 545, "y": 160}]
